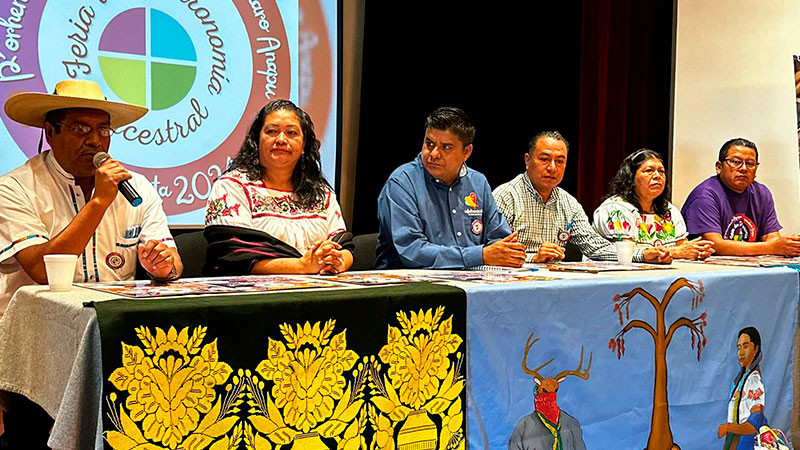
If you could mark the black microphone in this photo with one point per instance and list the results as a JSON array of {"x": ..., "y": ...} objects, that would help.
[{"x": 124, "y": 186}]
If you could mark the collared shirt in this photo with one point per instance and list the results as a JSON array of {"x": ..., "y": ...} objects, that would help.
[
  {"x": 39, "y": 199},
  {"x": 423, "y": 223},
  {"x": 559, "y": 220}
]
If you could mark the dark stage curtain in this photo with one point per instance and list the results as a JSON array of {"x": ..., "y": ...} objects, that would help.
[
  {"x": 513, "y": 69},
  {"x": 598, "y": 71},
  {"x": 625, "y": 84}
]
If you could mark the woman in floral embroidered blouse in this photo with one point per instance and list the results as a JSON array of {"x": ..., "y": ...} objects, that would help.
[
  {"x": 272, "y": 211},
  {"x": 638, "y": 209}
]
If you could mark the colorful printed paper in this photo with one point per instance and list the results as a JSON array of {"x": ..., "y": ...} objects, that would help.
[
  {"x": 602, "y": 266},
  {"x": 199, "y": 286}
]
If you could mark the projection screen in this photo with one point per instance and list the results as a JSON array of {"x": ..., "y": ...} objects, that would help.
[{"x": 202, "y": 67}]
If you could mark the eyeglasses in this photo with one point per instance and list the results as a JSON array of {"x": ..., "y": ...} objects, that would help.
[
  {"x": 737, "y": 163},
  {"x": 83, "y": 130}
]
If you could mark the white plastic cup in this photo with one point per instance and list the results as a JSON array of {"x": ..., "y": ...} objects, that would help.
[
  {"x": 624, "y": 252},
  {"x": 60, "y": 271}
]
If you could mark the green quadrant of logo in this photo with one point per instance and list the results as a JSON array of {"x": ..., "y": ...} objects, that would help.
[
  {"x": 126, "y": 77},
  {"x": 171, "y": 82}
]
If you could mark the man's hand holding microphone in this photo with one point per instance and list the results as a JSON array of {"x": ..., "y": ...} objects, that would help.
[{"x": 111, "y": 177}]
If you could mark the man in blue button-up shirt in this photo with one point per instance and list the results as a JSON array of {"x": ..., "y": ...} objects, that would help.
[{"x": 435, "y": 213}]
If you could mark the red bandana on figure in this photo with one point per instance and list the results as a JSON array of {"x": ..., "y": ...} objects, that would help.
[{"x": 545, "y": 404}]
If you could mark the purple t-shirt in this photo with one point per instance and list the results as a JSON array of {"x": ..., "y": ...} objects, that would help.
[{"x": 713, "y": 208}]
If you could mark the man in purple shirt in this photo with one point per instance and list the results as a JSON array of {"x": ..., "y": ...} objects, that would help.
[{"x": 734, "y": 211}]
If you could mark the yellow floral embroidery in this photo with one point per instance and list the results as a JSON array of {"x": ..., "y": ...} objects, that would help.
[
  {"x": 429, "y": 383},
  {"x": 170, "y": 383},
  {"x": 311, "y": 396},
  {"x": 418, "y": 361},
  {"x": 310, "y": 387},
  {"x": 308, "y": 372}
]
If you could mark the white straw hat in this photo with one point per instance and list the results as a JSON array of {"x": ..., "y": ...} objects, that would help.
[{"x": 30, "y": 108}]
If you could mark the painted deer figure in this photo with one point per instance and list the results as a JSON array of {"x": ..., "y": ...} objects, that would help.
[{"x": 548, "y": 427}]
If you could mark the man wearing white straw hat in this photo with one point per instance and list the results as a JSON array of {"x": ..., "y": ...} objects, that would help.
[{"x": 59, "y": 203}]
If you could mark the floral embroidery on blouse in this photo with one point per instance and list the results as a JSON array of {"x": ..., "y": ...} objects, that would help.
[
  {"x": 219, "y": 207},
  {"x": 284, "y": 205},
  {"x": 755, "y": 395},
  {"x": 618, "y": 219},
  {"x": 661, "y": 229},
  {"x": 617, "y": 223}
]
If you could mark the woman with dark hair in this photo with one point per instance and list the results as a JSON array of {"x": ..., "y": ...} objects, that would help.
[
  {"x": 746, "y": 404},
  {"x": 272, "y": 211},
  {"x": 638, "y": 209}
]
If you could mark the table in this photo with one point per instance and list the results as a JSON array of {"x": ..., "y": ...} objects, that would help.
[
  {"x": 49, "y": 352},
  {"x": 50, "y": 349}
]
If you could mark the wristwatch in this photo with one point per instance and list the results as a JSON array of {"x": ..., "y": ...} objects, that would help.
[{"x": 173, "y": 274}]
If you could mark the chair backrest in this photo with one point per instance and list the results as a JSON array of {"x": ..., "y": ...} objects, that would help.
[
  {"x": 364, "y": 254},
  {"x": 572, "y": 253},
  {"x": 192, "y": 248}
]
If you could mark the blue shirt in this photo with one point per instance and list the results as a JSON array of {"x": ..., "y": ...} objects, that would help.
[{"x": 425, "y": 224}]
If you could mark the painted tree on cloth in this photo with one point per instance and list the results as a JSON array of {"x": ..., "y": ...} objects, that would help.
[{"x": 660, "y": 433}]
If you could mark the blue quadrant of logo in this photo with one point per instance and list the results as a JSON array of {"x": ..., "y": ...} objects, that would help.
[{"x": 169, "y": 39}]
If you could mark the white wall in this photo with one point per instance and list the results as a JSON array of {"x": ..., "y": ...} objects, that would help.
[{"x": 734, "y": 77}]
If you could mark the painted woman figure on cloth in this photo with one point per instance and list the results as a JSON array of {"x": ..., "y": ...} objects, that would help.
[{"x": 746, "y": 405}]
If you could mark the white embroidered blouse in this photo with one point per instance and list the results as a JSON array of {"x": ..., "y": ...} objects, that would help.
[
  {"x": 752, "y": 395},
  {"x": 237, "y": 201},
  {"x": 617, "y": 219}
]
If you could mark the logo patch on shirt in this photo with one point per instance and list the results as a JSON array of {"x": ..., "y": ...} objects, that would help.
[
  {"x": 741, "y": 228},
  {"x": 115, "y": 260},
  {"x": 471, "y": 200},
  {"x": 564, "y": 235},
  {"x": 477, "y": 226},
  {"x": 473, "y": 212}
]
